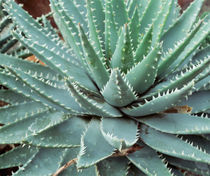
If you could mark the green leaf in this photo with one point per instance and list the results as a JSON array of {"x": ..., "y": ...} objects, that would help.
[
  {"x": 17, "y": 156},
  {"x": 90, "y": 142},
  {"x": 117, "y": 91},
  {"x": 90, "y": 171},
  {"x": 148, "y": 161},
  {"x": 72, "y": 170},
  {"x": 164, "y": 101},
  {"x": 12, "y": 97},
  {"x": 123, "y": 54},
  {"x": 196, "y": 41},
  {"x": 19, "y": 86},
  {"x": 53, "y": 53},
  {"x": 134, "y": 27},
  {"x": 76, "y": 10},
  {"x": 21, "y": 127},
  {"x": 94, "y": 105},
  {"x": 182, "y": 78},
  {"x": 26, "y": 66},
  {"x": 159, "y": 22},
  {"x": 202, "y": 53},
  {"x": 178, "y": 123},
  {"x": 182, "y": 26},
  {"x": 195, "y": 167},
  {"x": 41, "y": 124},
  {"x": 96, "y": 18},
  {"x": 198, "y": 140},
  {"x": 173, "y": 15},
  {"x": 47, "y": 25},
  {"x": 131, "y": 6},
  {"x": 171, "y": 56},
  {"x": 66, "y": 68},
  {"x": 111, "y": 35},
  {"x": 97, "y": 69},
  {"x": 12, "y": 113},
  {"x": 150, "y": 13},
  {"x": 199, "y": 101},
  {"x": 134, "y": 171},
  {"x": 143, "y": 75},
  {"x": 143, "y": 5},
  {"x": 46, "y": 162},
  {"x": 203, "y": 84},
  {"x": 34, "y": 31},
  {"x": 143, "y": 47},
  {"x": 121, "y": 133},
  {"x": 65, "y": 134},
  {"x": 67, "y": 28},
  {"x": 59, "y": 97},
  {"x": 120, "y": 13},
  {"x": 115, "y": 166},
  {"x": 171, "y": 145}
]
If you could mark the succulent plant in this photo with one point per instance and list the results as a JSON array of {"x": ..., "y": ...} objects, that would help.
[{"x": 124, "y": 92}]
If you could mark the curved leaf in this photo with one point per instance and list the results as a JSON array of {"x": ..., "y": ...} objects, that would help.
[
  {"x": 46, "y": 162},
  {"x": 177, "y": 123},
  {"x": 117, "y": 91},
  {"x": 165, "y": 143},
  {"x": 92, "y": 140},
  {"x": 119, "y": 132},
  {"x": 115, "y": 166},
  {"x": 148, "y": 161},
  {"x": 165, "y": 101},
  {"x": 65, "y": 134},
  {"x": 17, "y": 156}
]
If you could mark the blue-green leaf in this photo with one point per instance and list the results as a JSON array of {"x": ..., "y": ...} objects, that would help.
[
  {"x": 12, "y": 97},
  {"x": 134, "y": 26},
  {"x": 96, "y": 67},
  {"x": 17, "y": 156},
  {"x": 90, "y": 142},
  {"x": 199, "y": 101},
  {"x": 148, "y": 161},
  {"x": 96, "y": 17},
  {"x": 120, "y": 13},
  {"x": 110, "y": 31},
  {"x": 195, "y": 167},
  {"x": 94, "y": 105},
  {"x": 178, "y": 123},
  {"x": 182, "y": 26},
  {"x": 115, "y": 166},
  {"x": 67, "y": 27},
  {"x": 65, "y": 134},
  {"x": 22, "y": 127},
  {"x": 59, "y": 97},
  {"x": 143, "y": 75},
  {"x": 149, "y": 14},
  {"x": 12, "y": 113},
  {"x": 46, "y": 162},
  {"x": 117, "y": 91},
  {"x": 165, "y": 101},
  {"x": 119, "y": 132},
  {"x": 165, "y": 143},
  {"x": 123, "y": 54}
]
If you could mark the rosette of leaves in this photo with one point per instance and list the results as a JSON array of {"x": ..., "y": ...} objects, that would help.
[{"x": 125, "y": 93}]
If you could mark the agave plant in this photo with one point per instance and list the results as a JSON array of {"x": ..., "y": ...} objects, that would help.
[{"x": 125, "y": 92}]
